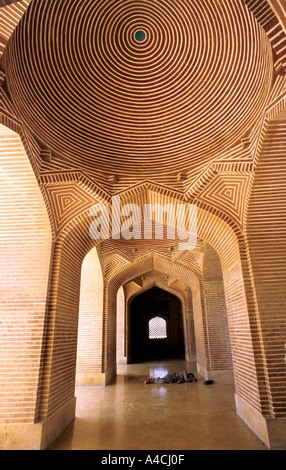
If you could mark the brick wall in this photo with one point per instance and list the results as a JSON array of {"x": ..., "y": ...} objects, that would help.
[
  {"x": 25, "y": 250},
  {"x": 267, "y": 247},
  {"x": 216, "y": 314},
  {"x": 242, "y": 318},
  {"x": 59, "y": 368}
]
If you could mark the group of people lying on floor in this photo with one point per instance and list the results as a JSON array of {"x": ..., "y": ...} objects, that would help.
[{"x": 178, "y": 377}]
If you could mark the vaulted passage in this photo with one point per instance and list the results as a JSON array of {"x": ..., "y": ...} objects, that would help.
[
  {"x": 142, "y": 216},
  {"x": 156, "y": 326}
]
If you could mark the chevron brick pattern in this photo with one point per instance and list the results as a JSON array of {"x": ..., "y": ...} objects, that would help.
[{"x": 10, "y": 15}]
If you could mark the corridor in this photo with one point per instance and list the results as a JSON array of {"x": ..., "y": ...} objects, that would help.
[{"x": 129, "y": 415}]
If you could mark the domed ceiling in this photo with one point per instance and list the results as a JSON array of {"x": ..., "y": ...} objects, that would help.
[{"x": 139, "y": 87}]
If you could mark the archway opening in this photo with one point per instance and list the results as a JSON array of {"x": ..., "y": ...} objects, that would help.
[
  {"x": 156, "y": 327},
  {"x": 89, "y": 338},
  {"x": 25, "y": 259}
]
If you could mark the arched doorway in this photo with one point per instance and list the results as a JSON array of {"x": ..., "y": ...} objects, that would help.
[
  {"x": 156, "y": 326},
  {"x": 89, "y": 338}
]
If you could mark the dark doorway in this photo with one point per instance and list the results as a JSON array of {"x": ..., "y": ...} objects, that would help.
[{"x": 156, "y": 327}]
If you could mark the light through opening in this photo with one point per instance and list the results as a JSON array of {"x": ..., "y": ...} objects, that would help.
[{"x": 157, "y": 328}]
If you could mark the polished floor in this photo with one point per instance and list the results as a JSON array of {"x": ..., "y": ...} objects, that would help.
[{"x": 129, "y": 415}]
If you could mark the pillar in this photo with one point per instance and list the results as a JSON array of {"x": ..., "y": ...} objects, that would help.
[
  {"x": 217, "y": 328},
  {"x": 25, "y": 255}
]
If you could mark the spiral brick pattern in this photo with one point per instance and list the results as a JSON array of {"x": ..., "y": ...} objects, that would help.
[{"x": 96, "y": 95}]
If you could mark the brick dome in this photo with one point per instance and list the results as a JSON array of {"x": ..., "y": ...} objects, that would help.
[{"x": 97, "y": 93}]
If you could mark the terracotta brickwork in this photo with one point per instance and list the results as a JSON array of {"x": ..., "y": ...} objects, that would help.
[
  {"x": 62, "y": 329},
  {"x": 89, "y": 345},
  {"x": 121, "y": 346},
  {"x": 158, "y": 122},
  {"x": 267, "y": 247},
  {"x": 25, "y": 244}
]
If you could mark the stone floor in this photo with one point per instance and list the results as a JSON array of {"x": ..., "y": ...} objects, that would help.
[{"x": 129, "y": 415}]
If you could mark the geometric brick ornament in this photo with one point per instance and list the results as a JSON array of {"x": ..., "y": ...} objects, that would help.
[
  {"x": 67, "y": 202},
  {"x": 228, "y": 193}
]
